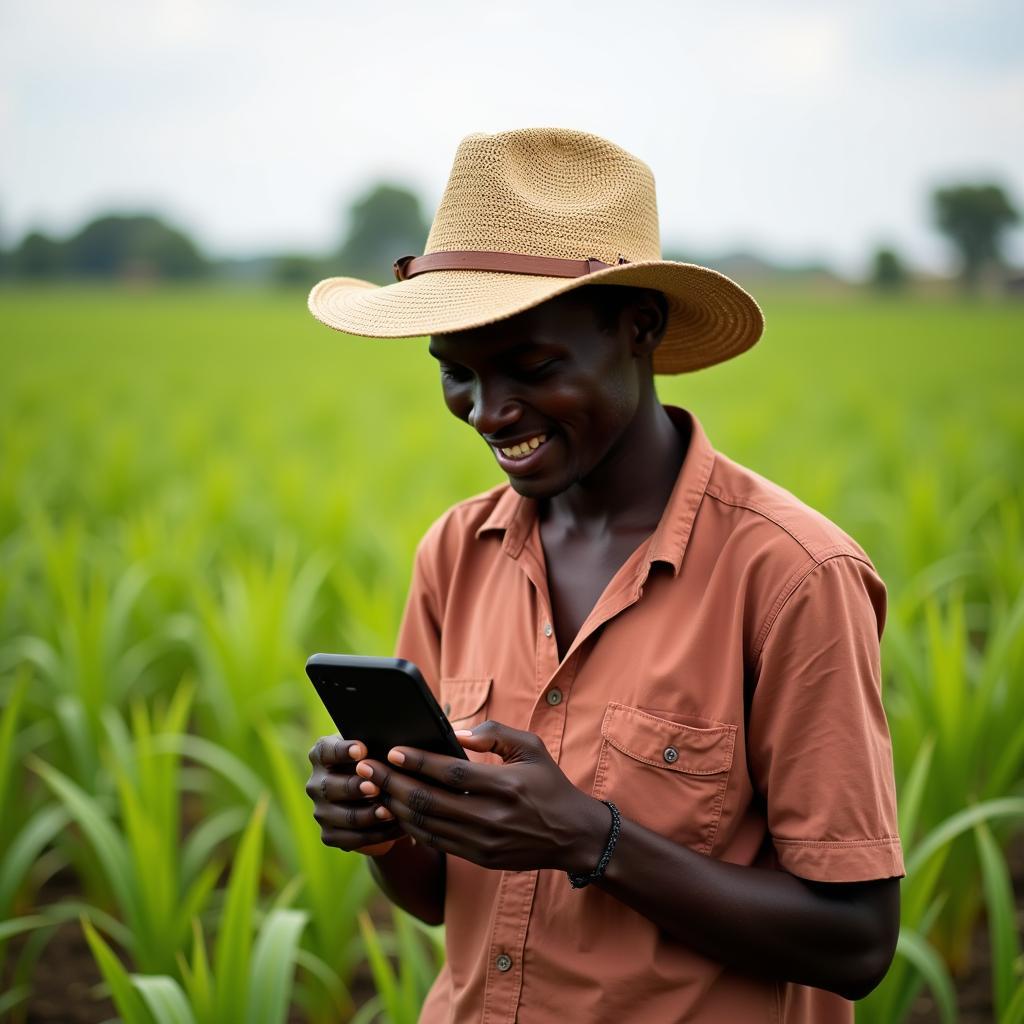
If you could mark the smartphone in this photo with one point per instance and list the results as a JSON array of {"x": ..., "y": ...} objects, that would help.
[{"x": 384, "y": 702}]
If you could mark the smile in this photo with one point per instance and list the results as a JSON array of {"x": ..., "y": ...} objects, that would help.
[{"x": 519, "y": 451}]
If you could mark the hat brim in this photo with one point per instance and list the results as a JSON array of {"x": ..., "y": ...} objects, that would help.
[{"x": 711, "y": 318}]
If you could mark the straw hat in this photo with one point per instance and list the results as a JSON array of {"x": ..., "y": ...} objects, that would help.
[{"x": 531, "y": 214}]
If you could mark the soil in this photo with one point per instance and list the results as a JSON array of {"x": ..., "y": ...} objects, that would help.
[{"x": 65, "y": 979}]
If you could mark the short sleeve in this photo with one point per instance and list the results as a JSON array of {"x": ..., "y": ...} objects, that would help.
[
  {"x": 419, "y": 634},
  {"x": 818, "y": 740}
]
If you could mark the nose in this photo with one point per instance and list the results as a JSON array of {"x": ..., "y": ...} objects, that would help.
[{"x": 493, "y": 408}]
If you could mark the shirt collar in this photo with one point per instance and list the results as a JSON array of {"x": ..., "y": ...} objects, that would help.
[{"x": 514, "y": 514}]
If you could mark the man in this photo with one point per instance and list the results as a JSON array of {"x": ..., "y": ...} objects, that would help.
[{"x": 677, "y": 661}]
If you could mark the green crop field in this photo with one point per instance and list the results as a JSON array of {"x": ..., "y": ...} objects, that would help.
[{"x": 198, "y": 488}]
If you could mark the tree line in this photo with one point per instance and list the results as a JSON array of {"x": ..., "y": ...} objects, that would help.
[{"x": 388, "y": 221}]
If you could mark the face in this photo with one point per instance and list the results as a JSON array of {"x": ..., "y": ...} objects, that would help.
[{"x": 552, "y": 390}]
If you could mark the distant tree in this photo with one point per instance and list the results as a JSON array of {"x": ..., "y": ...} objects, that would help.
[
  {"x": 974, "y": 218},
  {"x": 888, "y": 273},
  {"x": 38, "y": 256},
  {"x": 120, "y": 246},
  {"x": 384, "y": 223},
  {"x": 296, "y": 269}
]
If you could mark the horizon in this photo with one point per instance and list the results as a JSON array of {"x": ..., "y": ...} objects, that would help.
[{"x": 168, "y": 108}]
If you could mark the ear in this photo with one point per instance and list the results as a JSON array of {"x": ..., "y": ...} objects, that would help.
[{"x": 649, "y": 318}]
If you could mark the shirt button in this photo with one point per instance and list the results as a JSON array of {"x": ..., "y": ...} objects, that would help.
[
  {"x": 547, "y": 629},
  {"x": 503, "y": 962},
  {"x": 554, "y": 697},
  {"x": 670, "y": 754}
]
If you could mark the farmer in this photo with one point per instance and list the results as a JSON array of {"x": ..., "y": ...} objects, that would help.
[{"x": 679, "y": 803}]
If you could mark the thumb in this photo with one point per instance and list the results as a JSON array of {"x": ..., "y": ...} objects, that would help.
[{"x": 511, "y": 745}]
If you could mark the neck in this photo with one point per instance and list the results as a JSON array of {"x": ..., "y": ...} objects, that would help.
[{"x": 631, "y": 487}]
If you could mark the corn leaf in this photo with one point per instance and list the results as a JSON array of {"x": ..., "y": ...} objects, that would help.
[
  {"x": 1003, "y": 937},
  {"x": 234, "y": 940},
  {"x": 927, "y": 961},
  {"x": 962, "y": 821},
  {"x": 164, "y": 998},
  {"x": 273, "y": 966},
  {"x": 126, "y": 999},
  {"x": 103, "y": 837}
]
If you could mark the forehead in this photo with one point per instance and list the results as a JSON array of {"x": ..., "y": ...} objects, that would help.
[{"x": 562, "y": 322}]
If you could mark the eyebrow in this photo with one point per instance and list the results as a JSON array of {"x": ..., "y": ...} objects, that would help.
[{"x": 508, "y": 353}]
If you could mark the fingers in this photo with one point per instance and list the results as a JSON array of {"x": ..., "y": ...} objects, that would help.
[
  {"x": 350, "y": 840},
  {"x": 454, "y": 772},
  {"x": 410, "y": 798},
  {"x": 334, "y": 751},
  {"x": 511, "y": 745},
  {"x": 346, "y": 816},
  {"x": 336, "y": 788}
]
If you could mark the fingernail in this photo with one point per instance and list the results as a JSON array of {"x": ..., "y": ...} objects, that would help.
[
  {"x": 383, "y": 813},
  {"x": 356, "y": 751},
  {"x": 396, "y": 757},
  {"x": 364, "y": 770},
  {"x": 368, "y": 788},
  {"x": 463, "y": 732}
]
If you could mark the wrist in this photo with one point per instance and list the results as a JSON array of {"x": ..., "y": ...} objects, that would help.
[
  {"x": 579, "y": 880},
  {"x": 378, "y": 851},
  {"x": 584, "y": 852}
]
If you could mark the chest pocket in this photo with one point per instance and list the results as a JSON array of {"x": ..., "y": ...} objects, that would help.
[
  {"x": 465, "y": 702},
  {"x": 668, "y": 777}
]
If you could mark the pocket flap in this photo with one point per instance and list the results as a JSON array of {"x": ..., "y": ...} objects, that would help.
[
  {"x": 649, "y": 739},
  {"x": 461, "y": 698}
]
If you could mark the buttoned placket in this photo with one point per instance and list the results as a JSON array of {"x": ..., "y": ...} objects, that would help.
[{"x": 516, "y": 889}]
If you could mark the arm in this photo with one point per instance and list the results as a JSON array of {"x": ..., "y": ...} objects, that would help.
[
  {"x": 525, "y": 815},
  {"x": 835, "y": 936},
  {"x": 412, "y": 876}
]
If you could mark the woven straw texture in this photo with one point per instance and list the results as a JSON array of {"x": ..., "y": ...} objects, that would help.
[{"x": 547, "y": 192}]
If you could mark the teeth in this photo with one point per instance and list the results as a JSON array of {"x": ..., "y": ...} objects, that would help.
[{"x": 517, "y": 451}]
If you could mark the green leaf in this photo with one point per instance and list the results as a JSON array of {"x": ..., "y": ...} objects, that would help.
[
  {"x": 207, "y": 836},
  {"x": 927, "y": 961},
  {"x": 999, "y": 902},
  {"x": 164, "y": 998},
  {"x": 198, "y": 981},
  {"x": 912, "y": 790},
  {"x": 11, "y": 998},
  {"x": 383, "y": 973},
  {"x": 962, "y": 821},
  {"x": 234, "y": 940},
  {"x": 25, "y": 848},
  {"x": 1015, "y": 1011},
  {"x": 8, "y": 730},
  {"x": 273, "y": 967},
  {"x": 102, "y": 836},
  {"x": 126, "y": 999},
  {"x": 17, "y": 925}
]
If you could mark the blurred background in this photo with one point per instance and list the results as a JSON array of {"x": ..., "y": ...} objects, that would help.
[{"x": 199, "y": 485}]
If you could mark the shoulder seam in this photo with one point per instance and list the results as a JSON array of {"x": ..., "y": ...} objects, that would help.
[
  {"x": 819, "y": 556},
  {"x": 789, "y": 588}
]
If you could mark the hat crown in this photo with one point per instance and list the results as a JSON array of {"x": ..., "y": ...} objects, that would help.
[{"x": 548, "y": 192}]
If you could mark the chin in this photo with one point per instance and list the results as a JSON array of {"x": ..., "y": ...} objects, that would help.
[{"x": 538, "y": 487}]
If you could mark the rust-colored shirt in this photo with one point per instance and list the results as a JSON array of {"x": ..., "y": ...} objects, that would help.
[{"x": 724, "y": 692}]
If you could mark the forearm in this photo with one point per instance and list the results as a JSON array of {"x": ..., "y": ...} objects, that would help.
[
  {"x": 758, "y": 921},
  {"x": 412, "y": 876}
]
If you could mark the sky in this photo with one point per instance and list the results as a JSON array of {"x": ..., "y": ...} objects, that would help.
[{"x": 805, "y": 131}]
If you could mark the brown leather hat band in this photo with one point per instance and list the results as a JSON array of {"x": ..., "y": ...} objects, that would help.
[{"x": 502, "y": 262}]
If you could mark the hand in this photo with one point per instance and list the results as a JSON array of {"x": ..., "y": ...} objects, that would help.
[
  {"x": 517, "y": 816},
  {"x": 343, "y": 802}
]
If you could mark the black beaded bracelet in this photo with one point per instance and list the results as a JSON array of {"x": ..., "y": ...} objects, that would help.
[{"x": 579, "y": 881}]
